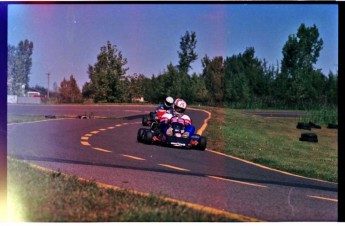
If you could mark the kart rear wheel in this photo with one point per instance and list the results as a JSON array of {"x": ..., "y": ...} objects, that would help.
[
  {"x": 145, "y": 120},
  {"x": 202, "y": 142},
  {"x": 140, "y": 135},
  {"x": 147, "y": 138}
]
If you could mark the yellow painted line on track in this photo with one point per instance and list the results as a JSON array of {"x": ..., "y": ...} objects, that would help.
[
  {"x": 323, "y": 198},
  {"x": 133, "y": 157},
  {"x": 237, "y": 181},
  {"x": 86, "y": 137},
  {"x": 265, "y": 167},
  {"x": 101, "y": 149},
  {"x": 203, "y": 127},
  {"x": 174, "y": 167},
  {"x": 206, "y": 209},
  {"x": 85, "y": 143}
]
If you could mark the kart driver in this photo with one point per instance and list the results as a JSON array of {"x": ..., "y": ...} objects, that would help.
[
  {"x": 166, "y": 106},
  {"x": 179, "y": 108}
]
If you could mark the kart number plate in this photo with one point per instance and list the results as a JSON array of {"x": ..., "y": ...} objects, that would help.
[{"x": 177, "y": 144}]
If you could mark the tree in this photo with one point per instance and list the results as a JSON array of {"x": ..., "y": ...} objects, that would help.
[
  {"x": 298, "y": 76},
  {"x": 213, "y": 72},
  {"x": 69, "y": 91},
  {"x": 187, "y": 54},
  {"x": 236, "y": 84},
  {"x": 19, "y": 66},
  {"x": 135, "y": 86},
  {"x": 107, "y": 76},
  {"x": 198, "y": 89},
  {"x": 331, "y": 88},
  {"x": 25, "y": 51}
]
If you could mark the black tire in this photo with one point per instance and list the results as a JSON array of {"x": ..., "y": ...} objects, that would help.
[
  {"x": 310, "y": 137},
  {"x": 302, "y": 125},
  {"x": 140, "y": 135},
  {"x": 151, "y": 116},
  {"x": 145, "y": 120},
  {"x": 202, "y": 143},
  {"x": 313, "y": 125},
  {"x": 332, "y": 126},
  {"x": 147, "y": 138}
]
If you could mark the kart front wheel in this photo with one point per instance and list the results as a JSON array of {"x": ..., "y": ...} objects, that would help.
[
  {"x": 140, "y": 135},
  {"x": 147, "y": 138}
]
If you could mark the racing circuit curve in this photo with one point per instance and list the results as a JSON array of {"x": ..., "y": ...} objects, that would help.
[{"x": 107, "y": 151}]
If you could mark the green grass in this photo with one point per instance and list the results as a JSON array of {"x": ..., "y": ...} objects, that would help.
[
  {"x": 324, "y": 115},
  {"x": 39, "y": 196},
  {"x": 24, "y": 118},
  {"x": 274, "y": 142}
]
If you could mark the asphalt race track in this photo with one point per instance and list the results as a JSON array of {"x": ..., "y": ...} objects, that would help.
[{"x": 106, "y": 150}]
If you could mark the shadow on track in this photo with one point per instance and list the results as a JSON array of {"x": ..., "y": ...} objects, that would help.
[{"x": 332, "y": 188}]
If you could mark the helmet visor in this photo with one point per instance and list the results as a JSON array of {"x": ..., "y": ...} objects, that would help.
[{"x": 179, "y": 110}]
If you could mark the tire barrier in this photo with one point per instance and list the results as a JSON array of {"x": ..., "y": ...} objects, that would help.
[
  {"x": 302, "y": 125},
  {"x": 310, "y": 137},
  {"x": 332, "y": 126},
  {"x": 313, "y": 125}
]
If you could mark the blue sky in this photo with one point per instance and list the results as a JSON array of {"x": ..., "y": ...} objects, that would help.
[{"x": 68, "y": 37}]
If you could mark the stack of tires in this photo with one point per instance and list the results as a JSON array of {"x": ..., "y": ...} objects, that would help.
[{"x": 311, "y": 137}]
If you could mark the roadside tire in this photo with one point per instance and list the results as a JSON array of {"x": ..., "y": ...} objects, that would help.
[
  {"x": 147, "y": 138},
  {"x": 313, "y": 125},
  {"x": 202, "y": 143},
  {"x": 140, "y": 135},
  {"x": 332, "y": 126},
  {"x": 310, "y": 137},
  {"x": 302, "y": 125}
]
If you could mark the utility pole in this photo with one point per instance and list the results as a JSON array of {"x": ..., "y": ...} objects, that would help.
[{"x": 48, "y": 83}]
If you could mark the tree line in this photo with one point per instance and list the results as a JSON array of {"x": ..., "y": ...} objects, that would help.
[{"x": 240, "y": 81}]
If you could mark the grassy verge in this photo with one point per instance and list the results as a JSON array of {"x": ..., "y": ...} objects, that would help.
[
  {"x": 38, "y": 196},
  {"x": 322, "y": 116},
  {"x": 24, "y": 118},
  {"x": 274, "y": 142}
]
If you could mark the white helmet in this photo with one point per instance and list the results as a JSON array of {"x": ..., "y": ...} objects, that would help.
[
  {"x": 168, "y": 102},
  {"x": 180, "y": 106}
]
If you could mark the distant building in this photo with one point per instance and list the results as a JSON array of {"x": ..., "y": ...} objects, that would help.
[
  {"x": 32, "y": 93},
  {"x": 140, "y": 100}
]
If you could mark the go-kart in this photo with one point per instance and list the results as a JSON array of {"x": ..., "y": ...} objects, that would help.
[
  {"x": 147, "y": 120},
  {"x": 155, "y": 135}
]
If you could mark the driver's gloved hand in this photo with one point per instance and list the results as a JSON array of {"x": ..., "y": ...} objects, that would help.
[
  {"x": 169, "y": 131},
  {"x": 185, "y": 135}
]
